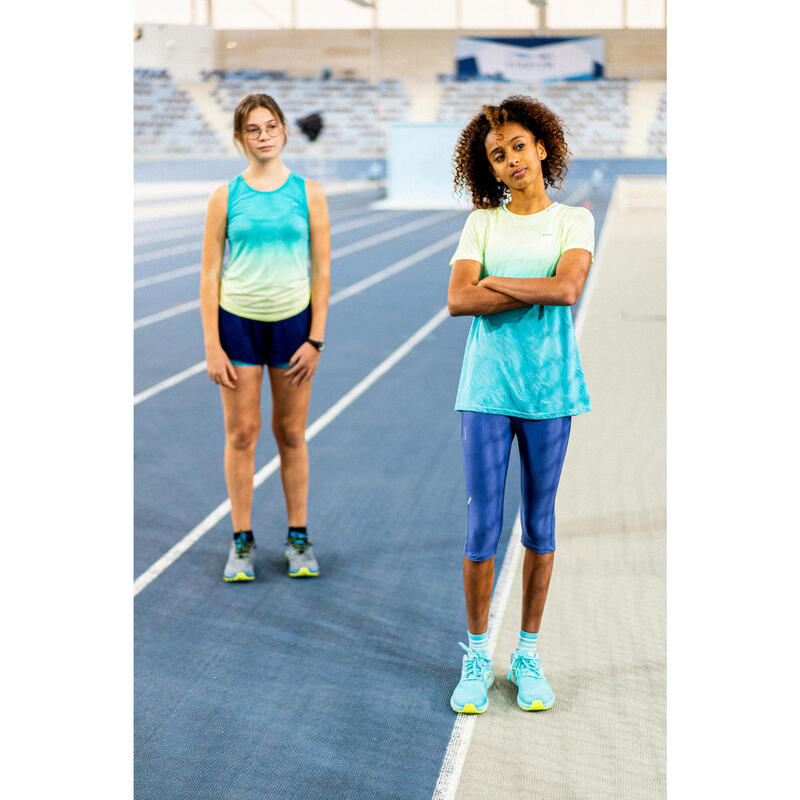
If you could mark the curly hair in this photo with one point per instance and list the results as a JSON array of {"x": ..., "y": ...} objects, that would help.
[{"x": 472, "y": 169}]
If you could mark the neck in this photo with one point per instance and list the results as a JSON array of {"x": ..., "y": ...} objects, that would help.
[
  {"x": 267, "y": 171},
  {"x": 529, "y": 200}
]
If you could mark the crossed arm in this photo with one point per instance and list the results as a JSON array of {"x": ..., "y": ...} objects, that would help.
[{"x": 468, "y": 295}]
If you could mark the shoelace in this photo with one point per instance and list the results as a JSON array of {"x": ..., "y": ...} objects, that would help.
[
  {"x": 243, "y": 547},
  {"x": 527, "y": 665},
  {"x": 299, "y": 541},
  {"x": 474, "y": 666}
]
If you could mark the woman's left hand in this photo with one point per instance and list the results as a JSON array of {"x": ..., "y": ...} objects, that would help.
[{"x": 302, "y": 364}]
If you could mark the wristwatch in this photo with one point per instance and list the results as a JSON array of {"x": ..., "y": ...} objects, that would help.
[{"x": 318, "y": 345}]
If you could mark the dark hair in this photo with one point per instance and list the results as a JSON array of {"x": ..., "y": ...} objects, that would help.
[
  {"x": 246, "y": 105},
  {"x": 472, "y": 169}
]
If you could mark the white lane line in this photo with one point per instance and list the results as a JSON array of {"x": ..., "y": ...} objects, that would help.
[
  {"x": 183, "y": 207},
  {"x": 458, "y": 746},
  {"x": 175, "y": 552},
  {"x": 177, "y": 250},
  {"x": 393, "y": 269},
  {"x": 393, "y": 233},
  {"x": 166, "y": 314},
  {"x": 597, "y": 260},
  {"x": 165, "y": 225},
  {"x": 362, "y": 221},
  {"x": 456, "y": 753},
  {"x": 190, "y": 305},
  {"x": 342, "y": 294},
  {"x": 198, "y": 245},
  {"x": 177, "y": 232},
  {"x": 171, "y": 381},
  {"x": 166, "y": 276},
  {"x": 362, "y": 244}
]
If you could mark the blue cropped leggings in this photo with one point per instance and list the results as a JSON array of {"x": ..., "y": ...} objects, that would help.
[{"x": 486, "y": 440}]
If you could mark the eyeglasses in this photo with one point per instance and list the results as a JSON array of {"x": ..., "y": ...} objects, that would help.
[{"x": 272, "y": 130}]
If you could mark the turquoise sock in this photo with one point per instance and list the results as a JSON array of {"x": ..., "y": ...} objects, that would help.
[
  {"x": 527, "y": 641},
  {"x": 479, "y": 642}
]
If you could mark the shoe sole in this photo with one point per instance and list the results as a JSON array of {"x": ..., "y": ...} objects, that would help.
[
  {"x": 536, "y": 705},
  {"x": 304, "y": 572},
  {"x": 239, "y": 576},
  {"x": 469, "y": 708}
]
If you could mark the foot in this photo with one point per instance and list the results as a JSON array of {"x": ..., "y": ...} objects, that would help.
[
  {"x": 533, "y": 691},
  {"x": 241, "y": 556},
  {"x": 471, "y": 694},
  {"x": 300, "y": 555}
]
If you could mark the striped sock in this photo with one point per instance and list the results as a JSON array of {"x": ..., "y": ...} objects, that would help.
[
  {"x": 527, "y": 641},
  {"x": 479, "y": 642}
]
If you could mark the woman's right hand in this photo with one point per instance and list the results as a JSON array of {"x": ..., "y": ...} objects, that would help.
[{"x": 220, "y": 369}]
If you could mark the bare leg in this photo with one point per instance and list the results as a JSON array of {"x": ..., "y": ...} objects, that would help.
[
  {"x": 289, "y": 416},
  {"x": 478, "y": 579},
  {"x": 536, "y": 571},
  {"x": 242, "y": 410}
]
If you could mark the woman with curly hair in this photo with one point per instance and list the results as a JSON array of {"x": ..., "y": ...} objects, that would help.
[
  {"x": 521, "y": 262},
  {"x": 268, "y": 307}
]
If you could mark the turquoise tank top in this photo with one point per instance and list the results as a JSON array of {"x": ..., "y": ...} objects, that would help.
[{"x": 267, "y": 274}]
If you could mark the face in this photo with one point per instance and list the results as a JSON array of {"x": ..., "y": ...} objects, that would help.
[
  {"x": 514, "y": 155},
  {"x": 262, "y": 135}
]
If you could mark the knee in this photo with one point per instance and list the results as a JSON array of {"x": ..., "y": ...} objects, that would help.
[
  {"x": 244, "y": 436},
  {"x": 289, "y": 436},
  {"x": 539, "y": 536},
  {"x": 483, "y": 534}
]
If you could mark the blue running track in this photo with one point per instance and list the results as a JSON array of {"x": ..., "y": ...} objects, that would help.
[{"x": 335, "y": 687}]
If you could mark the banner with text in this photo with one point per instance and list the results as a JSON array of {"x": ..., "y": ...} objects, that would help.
[{"x": 530, "y": 59}]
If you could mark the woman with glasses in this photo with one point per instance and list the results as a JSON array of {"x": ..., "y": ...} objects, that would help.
[{"x": 268, "y": 307}]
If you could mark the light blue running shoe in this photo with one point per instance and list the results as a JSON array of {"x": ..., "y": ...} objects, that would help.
[
  {"x": 471, "y": 694},
  {"x": 533, "y": 691},
  {"x": 241, "y": 558}
]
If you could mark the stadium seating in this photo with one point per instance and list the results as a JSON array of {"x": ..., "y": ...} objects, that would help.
[
  {"x": 355, "y": 112},
  {"x": 595, "y": 112},
  {"x": 657, "y": 138},
  {"x": 164, "y": 120}
]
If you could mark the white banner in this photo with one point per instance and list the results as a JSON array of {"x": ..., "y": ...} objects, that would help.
[{"x": 573, "y": 58}]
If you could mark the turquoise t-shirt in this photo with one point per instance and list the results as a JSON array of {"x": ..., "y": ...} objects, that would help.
[
  {"x": 267, "y": 275},
  {"x": 523, "y": 362}
]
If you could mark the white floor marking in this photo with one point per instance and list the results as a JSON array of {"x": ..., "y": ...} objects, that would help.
[
  {"x": 346, "y": 250},
  {"x": 176, "y": 232},
  {"x": 166, "y": 313},
  {"x": 171, "y": 381},
  {"x": 167, "y": 276},
  {"x": 164, "y": 225},
  {"x": 175, "y": 552},
  {"x": 353, "y": 224},
  {"x": 176, "y": 250},
  {"x": 198, "y": 245},
  {"x": 393, "y": 269},
  {"x": 456, "y": 753},
  {"x": 342, "y": 294},
  {"x": 379, "y": 238},
  {"x": 184, "y": 207},
  {"x": 597, "y": 261}
]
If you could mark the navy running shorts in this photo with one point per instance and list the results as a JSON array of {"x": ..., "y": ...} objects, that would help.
[
  {"x": 250, "y": 342},
  {"x": 486, "y": 442}
]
